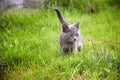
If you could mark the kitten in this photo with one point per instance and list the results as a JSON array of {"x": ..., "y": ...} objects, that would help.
[{"x": 70, "y": 37}]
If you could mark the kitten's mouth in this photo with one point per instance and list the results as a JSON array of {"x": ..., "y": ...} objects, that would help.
[{"x": 71, "y": 42}]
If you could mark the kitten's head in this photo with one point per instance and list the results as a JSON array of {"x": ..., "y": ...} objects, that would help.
[{"x": 71, "y": 33}]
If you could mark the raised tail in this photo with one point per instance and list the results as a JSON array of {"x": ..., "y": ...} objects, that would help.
[{"x": 62, "y": 20}]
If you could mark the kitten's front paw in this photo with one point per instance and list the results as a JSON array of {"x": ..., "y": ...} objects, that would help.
[{"x": 79, "y": 48}]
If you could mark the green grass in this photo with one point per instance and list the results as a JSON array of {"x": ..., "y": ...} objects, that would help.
[{"x": 29, "y": 46}]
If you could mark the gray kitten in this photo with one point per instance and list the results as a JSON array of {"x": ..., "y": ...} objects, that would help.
[{"x": 70, "y": 37}]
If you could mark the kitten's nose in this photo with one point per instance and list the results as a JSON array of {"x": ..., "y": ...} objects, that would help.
[{"x": 74, "y": 39}]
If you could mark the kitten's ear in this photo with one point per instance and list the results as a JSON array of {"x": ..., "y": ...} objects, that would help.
[
  {"x": 65, "y": 27},
  {"x": 76, "y": 25}
]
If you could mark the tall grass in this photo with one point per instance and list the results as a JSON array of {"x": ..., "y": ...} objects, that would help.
[
  {"x": 85, "y": 6},
  {"x": 29, "y": 46}
]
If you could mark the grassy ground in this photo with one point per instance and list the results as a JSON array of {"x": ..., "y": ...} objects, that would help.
[{"x": 29, "y": 46}]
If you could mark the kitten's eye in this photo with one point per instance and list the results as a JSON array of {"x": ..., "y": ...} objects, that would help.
[
  {"x": 77, "y": 34},
  {"x": 71, "y": 34}
]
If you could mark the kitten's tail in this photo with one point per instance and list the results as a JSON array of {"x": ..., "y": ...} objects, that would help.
[{"x": 62, "y": 20}]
